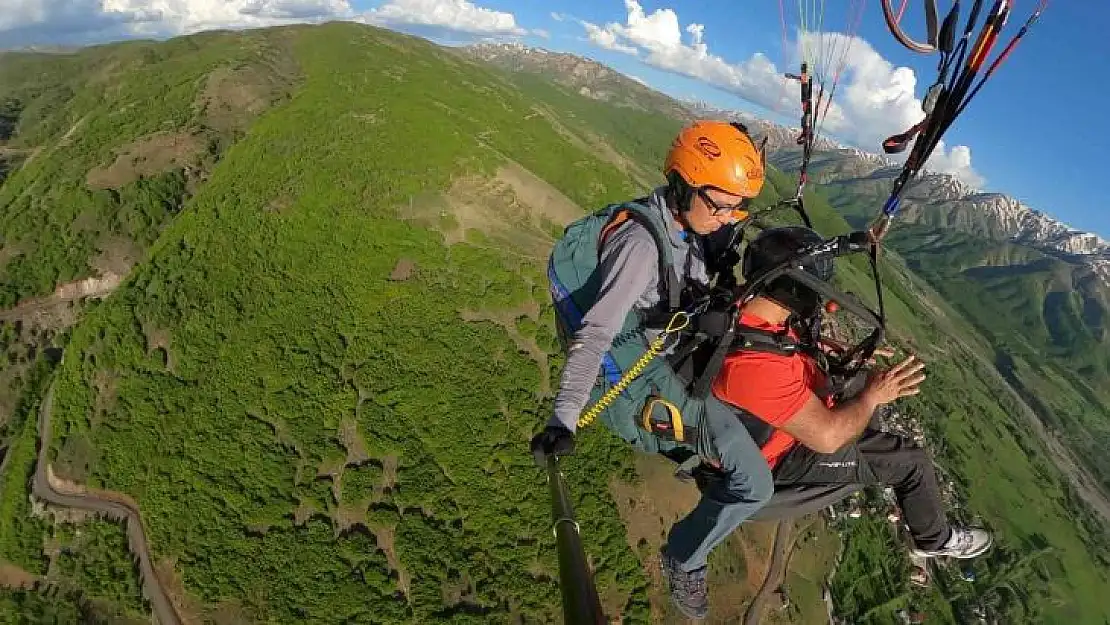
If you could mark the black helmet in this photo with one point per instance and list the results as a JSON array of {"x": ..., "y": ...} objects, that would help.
[{"x": 773, "y": 246}]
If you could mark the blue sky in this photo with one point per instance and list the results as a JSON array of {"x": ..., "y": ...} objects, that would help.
[{"x": 1035, "y": 132}]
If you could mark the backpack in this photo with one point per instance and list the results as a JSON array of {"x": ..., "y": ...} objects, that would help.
[{"x": 574, "y": 283}]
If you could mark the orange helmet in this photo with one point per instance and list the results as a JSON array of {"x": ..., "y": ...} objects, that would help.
[{"x": 716, "y": 154}]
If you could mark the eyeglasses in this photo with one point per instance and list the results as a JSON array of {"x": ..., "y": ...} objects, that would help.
[{"x": 723, "y": 209}]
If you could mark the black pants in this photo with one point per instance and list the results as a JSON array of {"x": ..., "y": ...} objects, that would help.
[{"x": 877, "y": 458}]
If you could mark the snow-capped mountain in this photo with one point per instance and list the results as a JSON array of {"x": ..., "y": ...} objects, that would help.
[
  {"x": 1034, "y": 227},
  {"x": 993, "y": 215}
]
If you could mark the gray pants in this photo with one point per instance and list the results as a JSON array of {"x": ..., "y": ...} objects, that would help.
[
  {"x": 878, "y": 458},
  {"x": 728, "y": 502}
]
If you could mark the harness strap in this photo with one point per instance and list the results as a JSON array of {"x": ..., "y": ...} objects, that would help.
[
  {"x": 895, "y": 144},
  {"x": 749, "y": 339},
  {"x": 753, "y": 339},
  {"x": 617, "y": 221},
  {"x": 757, "y": 428},
  {"x": 701, "y": 386},
  {"x": 668, "y": 274}
]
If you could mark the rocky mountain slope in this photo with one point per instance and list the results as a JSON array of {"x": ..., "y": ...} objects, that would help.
[{"x": 589, "y": 78}]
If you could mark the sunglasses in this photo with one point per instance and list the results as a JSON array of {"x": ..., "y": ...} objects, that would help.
[{"x": 723, "y": 209}]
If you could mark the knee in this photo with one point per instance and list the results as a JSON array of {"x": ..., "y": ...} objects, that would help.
[
  {"x": 761, "y": 485},
  {"x": 736, "y": 486},
  {"x": 915, "y": 463},
  {"x": 748, "y": 476},
  {"x": 752, "y": 484}
]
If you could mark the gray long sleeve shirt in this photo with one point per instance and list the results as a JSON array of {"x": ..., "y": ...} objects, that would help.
[{"x": 629, "y": 266}]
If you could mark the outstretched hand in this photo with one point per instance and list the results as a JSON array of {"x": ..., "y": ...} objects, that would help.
[{"x": 902, "y": 380}]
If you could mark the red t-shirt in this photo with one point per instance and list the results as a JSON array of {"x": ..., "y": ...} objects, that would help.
[{"x": 769, "y": 386}]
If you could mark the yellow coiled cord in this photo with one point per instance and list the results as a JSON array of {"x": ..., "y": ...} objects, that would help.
[{"x": 678, "y": 322}]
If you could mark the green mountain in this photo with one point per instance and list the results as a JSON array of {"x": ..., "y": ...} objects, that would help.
[
  {"x": 333, "y": 341},
  {"x": 585, "y": 77},
  {"x": 1043, "y": 308}
]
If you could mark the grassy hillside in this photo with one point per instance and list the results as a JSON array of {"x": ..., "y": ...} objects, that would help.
[
  {"x": 1000, "y": 345},
  {"x": 1045, "y": 325},
  {"x": 1045, "y": 316},
  {"x": 307, "y": 437},
  {"x": 111, "y": 140},
  {"x": 98, "y": 150},
  {"x": 319, "y": 381}
]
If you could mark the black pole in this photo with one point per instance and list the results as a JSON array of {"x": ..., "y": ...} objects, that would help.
[{"x": 581, "y": 605}]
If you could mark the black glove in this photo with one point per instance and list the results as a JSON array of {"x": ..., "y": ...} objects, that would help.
[{"x": 554, "y": 439}]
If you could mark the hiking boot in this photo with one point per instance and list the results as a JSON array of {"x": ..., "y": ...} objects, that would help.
[
  {"x": 688, "y": 590},
  {"x": 965, "y": 542}
]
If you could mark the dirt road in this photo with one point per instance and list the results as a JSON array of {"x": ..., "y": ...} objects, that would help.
[
  {"x": 779, "y": 555},
  {"x": 114, "y": 507},
  {"x": 107, "y": 504}
]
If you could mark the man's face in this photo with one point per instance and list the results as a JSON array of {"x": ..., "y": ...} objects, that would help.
[{"x": 711, "y": 209}]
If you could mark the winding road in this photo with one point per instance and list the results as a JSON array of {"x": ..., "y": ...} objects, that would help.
[
  {"x": 775, "y": 572},
  {"x": 108, "y": 505}
]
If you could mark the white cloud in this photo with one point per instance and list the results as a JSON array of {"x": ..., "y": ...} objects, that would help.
[
  {"x": 660, "y": 29},
  {"x": 296, "y": 9},
  {"x": 45, "y": 22},
  {"x": 874, "y": 100},
  {"x": 659, "y": 37},
  {"x": 456, "y": 15},
  {"x": 605, "y": 39},
  {"x": 539, "y": 32},
  {"x": 558, "y": 17},
  {"x": 187, "y": 16},
  {"x": 24, "y": 22},
  {"x": 85, "y": 21},
  {"x": 956, "y": 162},
  {"x": 697, "y": 31}
]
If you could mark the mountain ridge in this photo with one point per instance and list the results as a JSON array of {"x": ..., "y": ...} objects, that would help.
[
  {"x": 1013, "y": 220},
  {"x": 1022, "y": 223}
]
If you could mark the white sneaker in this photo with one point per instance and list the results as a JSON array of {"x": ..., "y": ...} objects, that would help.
[{"x": 965, "y": 542}]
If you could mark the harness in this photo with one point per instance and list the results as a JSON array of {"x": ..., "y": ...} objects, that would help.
[
  {"x": 655, "y": 403},
  {"x": 741, "y": 339},
  {"x": 718, "y": 334},
  {"x": 670, "y": 281},
  {"x": 574, "y": 290},
  {"x": 636, "y": 394}
]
